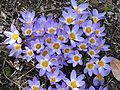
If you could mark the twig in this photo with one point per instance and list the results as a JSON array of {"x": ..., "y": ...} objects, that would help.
[
  {"x": 26, "y": 73},
  {"x": 8, "y": 77}
]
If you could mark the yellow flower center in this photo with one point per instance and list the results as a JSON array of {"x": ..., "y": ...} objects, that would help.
[
  {"x": 61, "y": 38},
  {"x": 35, "y": 88},
  {"x": 77, "y": 8},
  {"x": 15, "y": 36},
  {"x": 53, "y": 70},
  {"x": 67, "y": 50},
  {"x": 90, "y": 66},
  {"x": 83, "y": 46},
  {"x": 53, "y": 59},
  {"x": 101, "y": 63},
  {"x": 51, "y": 30},
  {"x": 80, "y": 21},
  {"x": 17, "y": 47},
  {"x": 38, "y": 46},
  {"x": 76, "y": 58},
  {"x": 73, "y": 36},
  {"x": 92, "y": 53},
  {"x": 44, "y": 53},
  {"x": 30, "y": 53},
  {"x": 88, "y": 30},
  {"x": 92, "y": 41},
  {"x": 70, "y": 20},
  {"x": 48, "y": 40},
  {"x": 53, "y": 79},
  {"x": 45, "y": 63},
  {"x": 28, "y": 23},
  {"x": 97, "y": 32},
  {"x": 56, "y": 45},
  {"x": 73, "y": 84},
  {"x": 40, "y": 30},
  {"x": 99, "y": 77},
  {"x": 95, "y": 19},
  {"x": 28, "y": 31}
]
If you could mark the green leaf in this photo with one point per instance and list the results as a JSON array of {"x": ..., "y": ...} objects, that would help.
[{"x": 108, "y": 8}]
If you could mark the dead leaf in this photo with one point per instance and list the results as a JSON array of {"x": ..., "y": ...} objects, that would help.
[{"x": 115, "y": 64}]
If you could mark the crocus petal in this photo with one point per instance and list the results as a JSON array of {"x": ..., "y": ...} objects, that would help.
[
  {"x": 42, "y": 72},
  {"x": 73, "y": 75},
  {"x": 74, "y": 3},
  {"x": 8, "y": 34}
]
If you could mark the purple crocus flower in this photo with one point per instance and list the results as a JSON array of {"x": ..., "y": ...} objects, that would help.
[
  {"x": 88, "y": 27},
  {"x": 54, "y": 77},
  {"x": 93, "y": 52},
  {"x": 75, "y": 82},
  {"x": 29, "y": 54},
  {"x": 37, "y": 45},
  {"x": 74, "y": 35},
  {"x": 97, "y": 16},
  {"x": 103, "y": 64},
  {"x": 68, "y": 18},
  {"x": 80, "y": 19},
  {"x": 91, "y": 68},
  {"x": 66, "y": 50},
  {"x": 15, "y": 49},
  {"x": 79, "y": 8},
  {"x": 34, "y": 84},
  {"x": 92, "y": 40},
  {"x": 102, "y": 46},
  {"x": 28, "y": 17},
  {"x": 27, "y": 30},
  {"x": 75, "y": 58},
  {"x": 63, "y": 86},
  {"x": 13, "y": 36},
  {"x": 83, "y": 45},
  {"x": 62, "y": 36},
  {"x": 43, "y": 65}
]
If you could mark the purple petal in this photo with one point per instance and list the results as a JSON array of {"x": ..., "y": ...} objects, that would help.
[
  {"x": 73, "y": 75},
  {"x": 74, "y": 3}
]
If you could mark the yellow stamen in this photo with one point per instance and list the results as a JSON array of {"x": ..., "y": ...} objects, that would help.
[
  {"x": 76, "y": 58},
  {"x": 92, "y": 41},
  {"x": 73, "y": 36},
  {"x": 40, "y": 30},
  {"x": 95, "y": 19},
  {"x": 101, "y": 63},
  {"x": 15, "y": 36},
  {"x": 35, "y": 88},
  {"x": 97, "y": 32},
  {"x": 48, "y": 40},
  {"x": 53, "y": 79},
  {"x": 28, "y": 31},
  {"x": 92, "y": 53},
  {"x": 53, "y": 70},
  {"x": 99, "y": 77},
  {"x": 88, "y": 30},
  {"x": 53, "y": 59},
  {"x": 44, "y": 53},
  {"x": 45, "y": 63},
  {"x": 80, "y": 22},
  {"x": 77, "y": 8},
  {"x": 61, "y": 38},
  {"x": 28, "y": 23},
  {"x": 56, "y": 45},
  {"x": 30, "y": 53},
  {"x": 38, "y": 46},
  {"x": 67, "y": 50},
  {"x": 90, "y": 66},
  {"x": 51, "y": 30},
  {"x": 83, "y": 46},
  {"x": 70, "y": 20},
  {"x": 17, "y": 47},
  {"x": 73, "y": 84}
]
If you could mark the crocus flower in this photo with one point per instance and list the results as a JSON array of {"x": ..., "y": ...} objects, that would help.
[
  {"x": 13, "y": 36},
  {"x": 37, "y": 45},
  {"x": 93, "y": 52},
  {"x": 15, "y": 49},
  {"x": 79, "y": 8},
  {"x": 62, "y": 36},
  {"x": 43, "y": 65},
  {"x": 103, "y": 88},
  {"x": 28, "y": 17},
  {"x": 92, "y": 40},
  {"x": 88, "y": 27},
  {"x": 27, "y": 30},
  {"x": 74, "y": 35},
  {"x": 97, "y": 16},
  {"x": 34, "y": 84},
  {"x": 29, "y": 54},
  {"x": 63, "y": 86},
  {"x": 102, "y": 46},
  {"x": 75, "y": 82},
  {"x": 90, "y": 88},
  {"x": 68, "y": 18},
  {"x": 66, "y": 50},
  {"x": 103, "y": 64},
  {"x": 75, "y": 58},
  {"x": 91, "y": 68},
  {"x": 82, "y": 46},
  {"x": 54, "y": 77}
]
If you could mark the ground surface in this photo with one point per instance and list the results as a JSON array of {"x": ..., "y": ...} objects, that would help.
[{"x": 12, "y": 69}]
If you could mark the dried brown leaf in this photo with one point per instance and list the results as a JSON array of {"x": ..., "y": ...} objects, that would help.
[{"x": 115, "y": 64}]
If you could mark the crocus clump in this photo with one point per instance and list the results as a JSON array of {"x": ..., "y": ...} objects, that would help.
[{"x": 75, "y": 41}]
